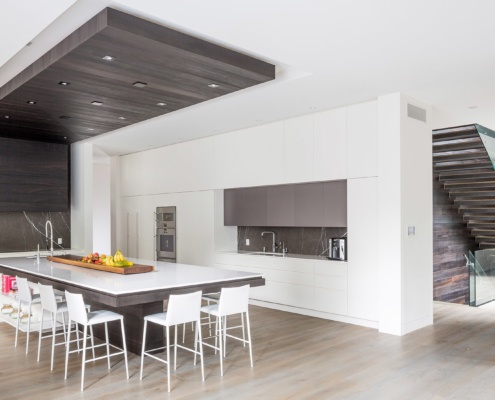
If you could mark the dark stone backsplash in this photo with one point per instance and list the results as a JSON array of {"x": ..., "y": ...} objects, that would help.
[
  {"x": 23, "y": 231},
  {"x": 306, "y": 241}
]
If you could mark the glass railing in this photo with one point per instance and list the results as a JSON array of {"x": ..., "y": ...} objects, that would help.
[
  {"x": 487, "y": 136},
  {"x": 481, "y": 266}
]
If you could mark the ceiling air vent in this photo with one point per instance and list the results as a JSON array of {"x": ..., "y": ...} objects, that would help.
[{"x": 416, "y": 112}]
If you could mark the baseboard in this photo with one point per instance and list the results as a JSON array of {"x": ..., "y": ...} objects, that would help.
[
  {"x": 316, "y": 314},
  {"x": 417, "y": 324}
]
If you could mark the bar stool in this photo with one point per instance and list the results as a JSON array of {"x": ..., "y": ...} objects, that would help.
[
  {"x": 232, "y": 301},
  {"x": 49, "y": 303},
  {"x": 181, "y": 309},
  {"x": 209, "y": 297},
  {"x": 77, "y": 313},
  {"x": 24, "y": 296}
]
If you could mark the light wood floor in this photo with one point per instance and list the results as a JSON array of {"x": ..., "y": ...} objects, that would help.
[{"x": 295, "y": 357}]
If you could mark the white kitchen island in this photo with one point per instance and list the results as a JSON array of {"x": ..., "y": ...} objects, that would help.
[{"x": 134, "y": 295}]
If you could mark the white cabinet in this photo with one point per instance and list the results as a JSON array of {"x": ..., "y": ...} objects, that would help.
[
  {"x": 362, "y": 140},
  {"x": 298, "y": 149},
  {"x": 362, "y": 219},
  {"x": 305, "y": 284},
  {"x": 330, "y": 144}
]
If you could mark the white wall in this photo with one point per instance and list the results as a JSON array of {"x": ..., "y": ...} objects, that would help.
[
  {"x": 102, "y": 207},
  {"x": 405, "y": 199},
  {"x": 81, "y": 196}
]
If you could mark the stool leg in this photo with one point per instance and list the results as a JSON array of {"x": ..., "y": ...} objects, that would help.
[
  {"x": 224, "y": 335},
  {"x": 249, "y": 338},
  {"x": 175, "y": 345},
  {"x": 168, "y": 357},
  {"x": 243, "y": 334},
  {"x": 108, "y": 345},
  {"x": 84, "y": 356},
  {"x": 54, "y": 324},
  {"x": 124, "y": 347},
  {"x": 198, "y": 329},
  {"x": 92, "y": 340},
  {"x": 144, "y": 345},
  {"x": 17, "y": 325},
  {"x": 29, "y": 326},
  {"x": 63, "y": 327},
  {"x": 220, "y": 334},
  {"x": 39, "y": 335},
  {"x": 67, "y": 348}
]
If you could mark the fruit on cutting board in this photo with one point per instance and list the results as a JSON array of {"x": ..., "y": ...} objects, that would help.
[{"x": 117, "y": 260}]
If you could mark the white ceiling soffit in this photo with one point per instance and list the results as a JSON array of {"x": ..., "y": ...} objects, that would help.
[{"x": 329, "y": 53}]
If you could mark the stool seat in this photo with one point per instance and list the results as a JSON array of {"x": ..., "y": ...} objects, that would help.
[{"x": 102, "y": 316}]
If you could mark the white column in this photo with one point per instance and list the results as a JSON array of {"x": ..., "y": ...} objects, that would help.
[
  {"x": 82, "y": 196},
  {"x": 405, "y": 200}
]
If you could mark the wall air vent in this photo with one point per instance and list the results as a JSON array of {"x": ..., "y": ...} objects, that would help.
[{"x": 416, "y": 112}]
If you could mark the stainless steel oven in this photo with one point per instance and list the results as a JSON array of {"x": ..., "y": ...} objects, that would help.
[{"x": 166, "y": 234}]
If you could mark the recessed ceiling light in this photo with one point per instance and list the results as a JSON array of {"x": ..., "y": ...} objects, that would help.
[
  {"x": 122, "y": 118},
  {"x": 161, "y": 104},
  {"x": 473, "y": 107},
  {"x": 65, "y": 137},
  {"x": 97, "y": 103},
  {"x": 213, "y": 85},
  {"x": 64, "y": 83},
  {"x": 91, "y": 129},
  {"x": 7, "y": 116},
  {"x": 140, "y": 84},
  {"x": 31, "y": 102},
  {"x": 64, "y": 117},
  {"x": 108, "y": 58}
]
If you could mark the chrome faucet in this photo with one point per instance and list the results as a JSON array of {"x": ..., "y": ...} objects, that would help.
[
  {"x": 51, "y": 236},
  {"x": 274, "y": 246}
]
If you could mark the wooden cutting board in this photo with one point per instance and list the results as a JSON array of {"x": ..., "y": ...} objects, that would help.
[{"x": 76, "y": 261}]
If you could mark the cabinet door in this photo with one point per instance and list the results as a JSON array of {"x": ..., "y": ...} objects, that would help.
[
  {"x": 308, "y": 205},
  {"x": 335, "y": 206},
  {"x": 233, "y": 211},
  {"x": 255, "y": 206},
  {"x": 280, "y": 205}
]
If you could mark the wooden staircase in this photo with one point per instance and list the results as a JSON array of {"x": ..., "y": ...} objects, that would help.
[{"x": 464, "y": 169}]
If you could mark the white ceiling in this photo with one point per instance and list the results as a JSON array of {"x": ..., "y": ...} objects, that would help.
[{"x": 328, "y": 53}]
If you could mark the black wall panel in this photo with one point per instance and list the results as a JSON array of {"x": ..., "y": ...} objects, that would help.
[{"x": 34, "y": 176}]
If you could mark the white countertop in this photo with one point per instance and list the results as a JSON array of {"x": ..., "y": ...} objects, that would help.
[{"x": 165, "y": 276}]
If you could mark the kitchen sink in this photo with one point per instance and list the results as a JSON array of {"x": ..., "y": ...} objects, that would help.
[{"x": 263, "y": 253}]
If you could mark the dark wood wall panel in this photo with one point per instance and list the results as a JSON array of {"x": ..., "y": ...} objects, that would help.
[
  {"x": 34, "y": 176},
  {"x": 451, "y": 240}
]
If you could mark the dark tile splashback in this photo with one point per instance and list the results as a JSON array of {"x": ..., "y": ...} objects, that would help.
[
  {"x": 23, "y": 231},
  {"x": 307, "y": 241}
]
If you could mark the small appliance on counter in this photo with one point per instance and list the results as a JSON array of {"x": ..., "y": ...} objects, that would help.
[{"x": 337, "y": 249}]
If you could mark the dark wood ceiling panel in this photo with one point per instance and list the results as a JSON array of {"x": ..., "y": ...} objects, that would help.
[{"x": 176, "y": 67}]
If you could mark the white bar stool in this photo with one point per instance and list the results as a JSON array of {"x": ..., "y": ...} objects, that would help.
[
  {"x": 24, "y": 296},
  {"x": 181, "y": 309},
  {"x": 209, "y": 298},
  {"x": 232, "y": 301},
  {"x": 49, "y": 303},
  {"x": 77, "y": 313}
]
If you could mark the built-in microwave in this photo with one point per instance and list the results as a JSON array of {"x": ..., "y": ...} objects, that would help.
[
  {"x": 166, "y": 234},
  {"x": 166, "y": 217}
]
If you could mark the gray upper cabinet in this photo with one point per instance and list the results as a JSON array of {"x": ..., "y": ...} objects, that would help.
[
  {"x": 233, "y": 207},
  {"x": 255, "y": 206},
  {"x": 308, "y": 205},
  {"x": 280, "y": 205},
  {"x": 321, "y": 204},
  {"x": 335, "y": 204}
]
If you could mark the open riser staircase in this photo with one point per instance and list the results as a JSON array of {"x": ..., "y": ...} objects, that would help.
[{"x": 465, "y": 171}]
